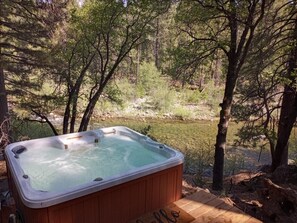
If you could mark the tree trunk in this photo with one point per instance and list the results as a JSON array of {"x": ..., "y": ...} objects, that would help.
[
  {"x": 67, "y": 115},
  {"x": 4, "y": 115},
  {"x": 89, "y": 110},
  {"x": 73, "y": 92},
  {"x": 138, "y": 63},
  {"x": 217, "y": 72},
  {"x": 225, "y": 113},
  {"x": 287, "y": 119},
  {"x": 288, "y": 110},
  {"x": 157, "y": 44},
  {"x": 231, "y": 79},
  {"x": 74, "y": 112}
]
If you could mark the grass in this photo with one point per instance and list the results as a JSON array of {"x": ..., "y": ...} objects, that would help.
[
  {"x": 179, "y": 134},
  {"x": 182, "y": 135}
]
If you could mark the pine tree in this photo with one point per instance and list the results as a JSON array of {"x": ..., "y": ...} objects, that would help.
[{"x": 26, "y": 29}]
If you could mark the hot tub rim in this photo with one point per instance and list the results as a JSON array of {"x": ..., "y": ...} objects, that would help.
[{"x": 32, "y": 198}]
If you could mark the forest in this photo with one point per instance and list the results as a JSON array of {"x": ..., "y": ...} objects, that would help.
[{"x": 77, "y": 58}]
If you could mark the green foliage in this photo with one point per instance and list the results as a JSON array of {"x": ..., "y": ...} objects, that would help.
[
  {"x": 293, "y": 145},
  {"x": 26, "y": 28},
  {"x": 195, "y": 52},
  {"x": 24, "y": 130},
  {"x": 199, "y": 160},
  {"x": 105, "y": 106},
  {"x": 128, "y": 92},
  {"x": 213, "y": 95},
  {"x": 254, "y": 135},
  {"x": 192, "y": 96},
  {"x": 233, "y": 163},
  {"x": 182, "y": 113},
  {"x": 149, "y": 79},
  {"x": 101, "y": 34},
  {"x": 241, "y": 112},
  {"x": 152, "y": 84},
  {"x": 113, "y": 93},
  {"x": 210, "y": 96},
  {"x": 163, "y": 98}
]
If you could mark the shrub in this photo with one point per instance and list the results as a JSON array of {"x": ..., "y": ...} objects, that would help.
[
  {"x": 213, "y": 96},
  {"x": 148, "y": 79},
  {"x": 127, "y": 90},
  {"x": 182, "y": 113},
  {"x": 198, "y": 161},
  {"x": 233, "y": 163},
  {"x": 162, "y": 98},
  {"x": 192, "y": 96}
]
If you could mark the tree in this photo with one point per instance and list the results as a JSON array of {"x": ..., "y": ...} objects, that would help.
[
  {"x": 240, "y": 41},
  {"x": 288, "y": 112},
  {"x": 270, "y": 85},
  {"x": 228, "y": 26},
  {"x": 100, "y": 36},
  {"x": 12, "y": 54},
  {"x": 26, "y": 28},
  {"x": 4, "y": 116},
  {"x": 192, "y": 52}
]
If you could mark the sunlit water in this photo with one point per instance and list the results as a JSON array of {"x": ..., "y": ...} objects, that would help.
[{"x": 54, "y": 169}]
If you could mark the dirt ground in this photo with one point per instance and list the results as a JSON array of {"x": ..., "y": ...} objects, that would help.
[{"x": 269, "y": 197}]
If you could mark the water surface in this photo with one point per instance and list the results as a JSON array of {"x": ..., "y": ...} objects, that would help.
[{"x": 57, "y": 169}]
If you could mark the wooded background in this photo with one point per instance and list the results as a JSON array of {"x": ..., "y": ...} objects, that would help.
[{"x": 67, "y": 56}]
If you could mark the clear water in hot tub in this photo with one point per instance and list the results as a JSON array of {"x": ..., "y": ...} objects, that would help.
[{"x": 56, "y": 169}]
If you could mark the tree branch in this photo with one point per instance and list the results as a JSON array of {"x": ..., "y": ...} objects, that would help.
[{"x": 46, "y": 121}]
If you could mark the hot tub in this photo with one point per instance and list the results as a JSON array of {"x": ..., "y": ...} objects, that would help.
[{"x": 106, "y": 175}]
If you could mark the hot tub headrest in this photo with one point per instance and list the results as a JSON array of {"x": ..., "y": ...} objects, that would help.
[{"x": 18, "y": 149}]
